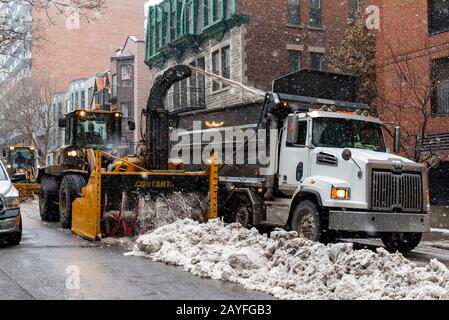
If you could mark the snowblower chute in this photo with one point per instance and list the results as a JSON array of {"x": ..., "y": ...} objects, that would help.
[{"x": 112, "y": 201}]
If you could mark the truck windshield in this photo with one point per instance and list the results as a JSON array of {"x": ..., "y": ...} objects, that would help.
[
  {"x": 95, "y": 132},
  {"x": 345, "y": 133},
  {"x": 22, "y": 158}
]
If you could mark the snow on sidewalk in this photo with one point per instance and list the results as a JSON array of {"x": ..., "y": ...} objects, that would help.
[{"x": 290, "y": 267}]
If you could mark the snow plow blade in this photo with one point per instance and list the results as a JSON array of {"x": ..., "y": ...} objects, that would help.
[
  {"x": 27, "y": 190},
  {"x": 109, "y": 204}
]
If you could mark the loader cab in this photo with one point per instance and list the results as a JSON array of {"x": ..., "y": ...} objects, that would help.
[
  {"x": 19, "y": 160},
  {"x": 88, "y": 129}
]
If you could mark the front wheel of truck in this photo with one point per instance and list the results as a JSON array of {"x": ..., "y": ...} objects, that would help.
[
  {"x": 402, "y": 242},
  {"x": 308, "y": 221}
]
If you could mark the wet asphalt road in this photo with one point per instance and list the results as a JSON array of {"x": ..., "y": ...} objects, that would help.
[{"x": 37, "y": 270}]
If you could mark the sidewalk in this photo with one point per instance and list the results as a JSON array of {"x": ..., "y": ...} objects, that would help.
[{"x": 439, "y": 222}]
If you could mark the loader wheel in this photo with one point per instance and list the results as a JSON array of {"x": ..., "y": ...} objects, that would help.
[
  {"x": 48, "y": 209},
  {"x": 308, "y": 221},
  {"x": 402, "y": 242},
  {"x": 71, "y": 187}
]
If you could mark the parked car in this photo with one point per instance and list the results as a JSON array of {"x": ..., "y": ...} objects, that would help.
[{"x": 10, "y": 217}]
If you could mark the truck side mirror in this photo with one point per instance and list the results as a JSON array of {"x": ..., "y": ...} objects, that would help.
[
  {"x": 397, "y": 139},
  {"x": 62, "y": 122},
  {"x": 292, "y": 129},
  {"x": 131, "y": 125},
  {"x": 5, "y": 154}
]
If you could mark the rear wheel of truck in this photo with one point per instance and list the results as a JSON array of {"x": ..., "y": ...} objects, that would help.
[
  {"x": 402, "y": 242},
  {"x": 48, "y": 209},
  {"x": 240, "y": 211},
  {"x": 308, "y": 222},
  {"x": 71, "y": 187}
]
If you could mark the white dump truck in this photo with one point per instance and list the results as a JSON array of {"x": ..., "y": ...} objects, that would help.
[{"x": 331, "y": 174}]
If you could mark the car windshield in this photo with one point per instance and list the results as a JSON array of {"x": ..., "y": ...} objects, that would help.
[
  {"x": 22, "y": 158},
  {"x": 345, "y": 133},
  {"x": 95, "y": 132},
  {"x": 2, "y": 173}
]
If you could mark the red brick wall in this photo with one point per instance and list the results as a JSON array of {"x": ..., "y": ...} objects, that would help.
[
  {"x": 268, "y": 35},
  {"x": 404, "y": 41},
  {"x": 66, "y": 54}
]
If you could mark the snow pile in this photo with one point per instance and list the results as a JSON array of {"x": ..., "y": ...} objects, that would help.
[{"x": 290, "y": 267}]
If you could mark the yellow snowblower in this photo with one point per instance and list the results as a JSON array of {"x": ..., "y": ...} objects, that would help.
[
  {"x": 22, "y": 167},
  {"x": 98, "y": 190}
]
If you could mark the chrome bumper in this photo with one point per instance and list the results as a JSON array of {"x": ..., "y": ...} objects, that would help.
[
  {"x": 9, "y": 221},
  {"x": 373, "y": 222},
  {"x": 9, "y": 225}
]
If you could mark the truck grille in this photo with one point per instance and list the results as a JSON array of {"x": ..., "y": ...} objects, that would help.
[{"x": 392, "y": 191}]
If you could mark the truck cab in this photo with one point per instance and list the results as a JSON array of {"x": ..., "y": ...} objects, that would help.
[{"x": 335, "y": 164}]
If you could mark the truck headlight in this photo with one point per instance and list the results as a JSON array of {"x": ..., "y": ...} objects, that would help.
[
  {"x": 340, "y": 193},
  {"x": 11, "y": 202}
]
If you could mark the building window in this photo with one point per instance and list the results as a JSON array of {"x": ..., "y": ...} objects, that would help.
[
  {"x": 72, "y": 101},
  {"x": 438, "y": 16},
  {"x": 128, "y": 110},
  {"x": 293, "y": 12},
  {"x": 83, "y": 99},
  {"x": 201, "y": 83},
  {"x": 218, "y": 9},
  {"x": 190, "y": 19},
  {"x": 77, "y": 100},
  {"x": 315, "y": 13},
  {"x": 221, "y": 65},
  {"x": 198, "y": 85},
  {"x": 440, "y": 76},
  {"x": 173, "y": 25},
  {"x": 126, "y": 73},
  {"x": 354, "y": 8},
  {"x": 176, "y": 95},
  {"x": 294, "y": 60},
  {"x": 317, "y": 60},
  {"x": 114, "y": 86},
  {"x": 216, "y": 69},
  {"x": 226, "y": 63},
  {"x": 90, "y": 94},
  {"x": 206, "y": 10}
]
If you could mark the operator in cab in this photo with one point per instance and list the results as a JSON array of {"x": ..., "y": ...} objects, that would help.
[{"x": 93, "y": 137}]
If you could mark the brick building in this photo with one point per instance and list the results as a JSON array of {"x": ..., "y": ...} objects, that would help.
[
  {"x": 74, "y": 47},
  {"x": 250, "y": 41},
  {"x": 413, "y": 81},
  {"x": 130, "y": 85}
]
